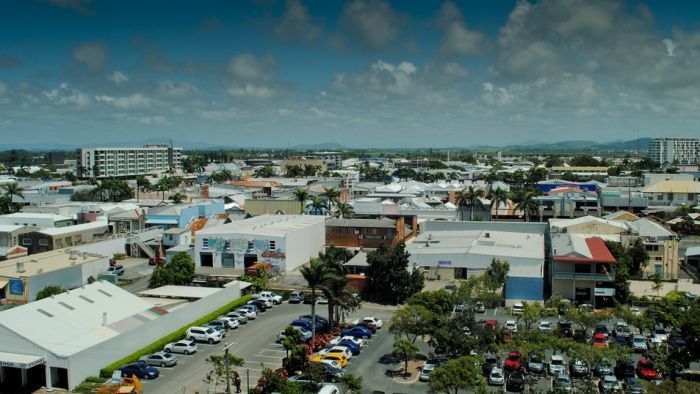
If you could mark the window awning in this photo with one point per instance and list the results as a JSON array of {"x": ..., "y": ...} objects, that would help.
[
  {"x": 24, "y": 361},
  {"x": 161, "y": 221},
  {"x": 3, "y": 283}
]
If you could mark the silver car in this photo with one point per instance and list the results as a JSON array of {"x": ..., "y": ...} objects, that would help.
[
  {"x": 160, "y": 359},
  {"x": 639, "y": 344},
  {"x": 242, "y": 318},
  {"x": 184, "y": 346}
]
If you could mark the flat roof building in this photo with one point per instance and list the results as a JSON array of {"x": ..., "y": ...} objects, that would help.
[{"x": 103, "y": 162}]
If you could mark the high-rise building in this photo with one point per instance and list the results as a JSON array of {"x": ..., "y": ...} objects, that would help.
[
  {"x": 674, "y": 150},
  {"x": 128, "y": 161}
]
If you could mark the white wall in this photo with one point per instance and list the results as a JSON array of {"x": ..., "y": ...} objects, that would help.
[{"x": 302, "y": 245}]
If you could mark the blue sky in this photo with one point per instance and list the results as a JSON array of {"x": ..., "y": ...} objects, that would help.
[{"x": 362, "y": 73}]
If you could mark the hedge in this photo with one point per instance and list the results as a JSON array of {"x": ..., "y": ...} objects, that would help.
[{"x": 174, "y": 336}]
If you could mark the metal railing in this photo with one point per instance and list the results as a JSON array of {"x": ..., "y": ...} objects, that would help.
[{"x": 584, "y": 276}]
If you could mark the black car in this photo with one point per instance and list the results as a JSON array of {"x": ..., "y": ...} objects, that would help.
[
  {"x": 140, "y": 369},
  {"x": 634, "y": 386},
  {"x": 516, "y": 382},
  {"x": 580, "y": 336},
  {"x": 564, "y": 329},
  {"x": 308, "y": 299},
  {"x": 623, "y": 341},
  {"x": 490, "y": 361},
  {"x": 624, "y": 369},
  {"x": 333, "y": 374},
  {"x": 260, "y": 304}
]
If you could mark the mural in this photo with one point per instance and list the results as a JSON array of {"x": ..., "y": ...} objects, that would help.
[{"x": 261, "y": 247}]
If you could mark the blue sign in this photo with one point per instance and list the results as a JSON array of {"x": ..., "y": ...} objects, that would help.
[
  {"x": 444, "y": 262},
  {"x": 16, "y": 287}
]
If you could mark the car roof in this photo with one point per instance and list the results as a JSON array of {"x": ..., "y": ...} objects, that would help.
[{"x": 557, "y": 357}]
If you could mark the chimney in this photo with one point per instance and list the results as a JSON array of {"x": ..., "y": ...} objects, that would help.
[
  {"x": 20, "y": 267},
  {"x": 104, "y": 318},
  {"x": 487, "y": 235}
]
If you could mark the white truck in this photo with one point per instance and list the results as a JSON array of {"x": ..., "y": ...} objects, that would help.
[{"x": 268, "y": 296}]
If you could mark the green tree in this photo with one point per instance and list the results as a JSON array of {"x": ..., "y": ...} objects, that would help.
[
  {"x": 498, "y": 196},
  {"x": 316, "y": 206},
  {"x": 351, "y": 384},
  {"x": 586, "y": 320},
  {"x": 525, "y": 202},
  {"x": 219, "y": 372},
  {"x": 657, "y": 283},
  {"x": 404, "y": 350},
  {"x": 301, "y": 195},
  {"x": 48, "y": 291},
  {"x": 344, "y": 210},
  {"x": 667, "y": 386},
  {"x": 177, "y": 198},
  {"x": 531, "y": 314},
  {"x": 264, "y": 172},
  {"x": 179, "y": 271},
  {"x": 331, "y": 195},
  {"x": 316, "y": 275},
  {"x": 460, "y": 374},
  {"x": 496, "y": 274},
  {"x": 469, "y": 198},
  {"x": 389, "y": 279},
  {"x": 411, "y": 322},
  {"x": 13, "y": 189},
  {"x": 439, "y": 302},
  {"x": 293, "y": 171}
]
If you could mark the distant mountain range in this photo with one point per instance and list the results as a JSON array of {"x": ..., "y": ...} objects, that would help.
[{"x": 533, "y": 146}]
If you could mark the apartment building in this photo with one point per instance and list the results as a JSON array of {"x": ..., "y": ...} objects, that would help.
[
  {"x": 128, "y": 161},
  {"x": 674, "y": 150}
]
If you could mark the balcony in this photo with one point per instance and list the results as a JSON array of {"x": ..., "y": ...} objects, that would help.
[{"x": 584, "y": 276}]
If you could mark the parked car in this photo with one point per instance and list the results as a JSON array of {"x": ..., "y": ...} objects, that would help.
[
  {"x": 491, "y": 325},
  {"x": 600, "y": 340},
  {"x": 545, "y": 326},
  {"x": 355, "y": 349},
  {"x": 610, "y": 384},
  {"x": 426, "y": 371},
  {"x": 156, "y": 260},
  {"x": 639, "y": 344},
  {"x": 268, "y": 296},
  {"x": 480, "y": 307},
  {"x": 305, "y": 335},
  {"x": 367, "y": 325},
  {"x": 564, "y": 329},
  {"x": 579, "y": 368},
  {"x": 535, "y": 364},
  {"x": 332, "y": 374},
  {"x": 220, "y": 326},
  {"x": 333, "y": 356},
  {"x": 556, "y": 365},
  {"x": 624, "y": 369},
  {"x": 160, "y": 359},
  {"x": 240, "y": 316},
  {"x": 307, "y": 325},
  {"x": 621, "y": 329},
  {"x": 585, "y": 308},
  {"x": 320, "y": 320},
  {"x": 579, "y": 336},
  {"x": 184, "y": 346},
  {"x": 203, "y": 334},
  {"x": 516, "y": 382},
  {"x": 562, "y": 382},
  {"x": 333, "y": 363},
  {"x": 496, "y": 377},
  {"x": 296, "y": 297},
  {"x": 250, "y": 313},
  {"x": 490, "y": 361},
  {"x": 308, "y": 299},
  {"x": 262, "y": 305},
  {"x": 513, "y": 361},
  {"x": 601, "y": 329},
  {"x": 377, "y": 323},
  {"x": 517, "y": 309},
  {"x": 321, "y": 300},
  {"x": 139, "y": 369},
  {"x": 623, "y": 341},
  {"x": 232, "y": 323},
  {"x": 660, "y": 332},
  {"x": 357, "y": 341},
  {"x": 634, "y": 386},
  {"x": 357, "y": 332},
  {"x": 602, "y": 368},
  {"x": 511, "y": 325},
  {"x": 646, "y": 370},
  {"x": 337, "y": 349},
  {"x": 117, "y": 269}
]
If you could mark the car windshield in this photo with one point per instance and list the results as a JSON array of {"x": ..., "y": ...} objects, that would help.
[
  {"x": 496, "y": 374},
  {"x": 659, "y": 330},
  {"x": 648, "y": 365},
  {"x": 557, "y": 362},
  {"x": 599, "y": 339},
  {"x": 535, "y": 359},
  {"x": 563, "y": 379},
  {"x": 167, "y": 355},
  {"x": 210, "y": 330},
  {"x": 513, "y": 357}
]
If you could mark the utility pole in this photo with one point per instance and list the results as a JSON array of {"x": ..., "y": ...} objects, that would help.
[{"x": 228, "y": 373}]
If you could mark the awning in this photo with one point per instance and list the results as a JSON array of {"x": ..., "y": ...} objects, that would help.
[
  {"x": 3, "y": 283},
  {"x": 15, "y": 360},
  {"x": 358, "y": 260},
  {"x": 161, "y": 221}
]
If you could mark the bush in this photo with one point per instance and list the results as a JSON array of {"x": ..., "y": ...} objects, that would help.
[
  {"x": 119, "y": 256},
  {"x": 174, "y": 336}
]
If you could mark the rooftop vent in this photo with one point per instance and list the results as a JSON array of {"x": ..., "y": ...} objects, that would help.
[
  {"x": 20, "y": 266},
  {"x": 43, "y": 312},
  {"x": 487, "y": 235}
]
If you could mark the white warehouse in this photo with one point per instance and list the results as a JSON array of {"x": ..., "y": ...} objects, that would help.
[{"x": 285, "y": 241}]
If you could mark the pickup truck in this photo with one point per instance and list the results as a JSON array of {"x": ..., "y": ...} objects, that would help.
[{"x": 268, "y": 296}]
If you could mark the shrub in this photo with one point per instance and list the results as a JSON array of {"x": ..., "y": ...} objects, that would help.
[{"x": 172, "y": 337}]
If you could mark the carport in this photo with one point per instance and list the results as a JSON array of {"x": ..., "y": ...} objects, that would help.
[{"x": 25, "y": 369}]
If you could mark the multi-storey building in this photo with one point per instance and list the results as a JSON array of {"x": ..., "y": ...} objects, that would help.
[
  {"x": 674, "y": 150},
  {"x": 332, "y": 160},
  {"x": 128, "y": 161}
]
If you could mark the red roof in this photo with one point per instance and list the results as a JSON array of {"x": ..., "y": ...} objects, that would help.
[{"x": 599, "y": 253}]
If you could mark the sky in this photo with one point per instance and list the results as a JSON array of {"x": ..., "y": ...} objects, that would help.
[{"x": 360, "y": 73}]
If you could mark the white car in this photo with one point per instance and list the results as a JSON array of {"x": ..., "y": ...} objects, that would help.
[
  {"x": 268, "y": 296},
  {"x": 333, "y": 363},
  {"x": 268, "y": 303},
  {"x": 512, "y": 326},
  {"x": 545, "y": 326},
  {"x": 357, "y": 341},
  {"x": 340, "y": 349},
  {"x": 639, "y": 344},
  {"x": 242, "y": 318},
  {"x": 321, "y": 300},
  {"x": 517, "y": 309},
  {"x": 248, "y": 312},
  {"x": 231, "y": 322},
  {"x": 203, "y": 334},
  {"x": 426, "y": 371},
  {"x": 556, "y": 365},
  {"x": 378, "y": 323},
  {"x": 496, "y": 377},
  {"x": 183, "y": 346}
]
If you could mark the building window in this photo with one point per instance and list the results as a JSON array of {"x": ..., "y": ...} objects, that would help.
[
  {"x": 651, "y": 248},
  {"x": 43, "y": 242},
  {"x": 691, "y": 197},
  {"x": 205, "y": 242},
  {"x": 273, "y": 246},
  {"x": 26, "y": 242},
  {"x": 658, "y": 258}
]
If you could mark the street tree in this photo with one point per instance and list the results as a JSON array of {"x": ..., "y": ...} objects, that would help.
[
  {"x": 459, "y": 374},
  {"x": 179, "y": 271},
  {"x": 404, "y": 350},
  {"x": 389, "y": 279},
  {"x": 219, "y": 372},
  {"x": 531, "y": 314},
  {"x": 411, "y": 322}
]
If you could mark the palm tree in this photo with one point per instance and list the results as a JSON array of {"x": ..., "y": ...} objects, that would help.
[
  {"x": 331, "y": 194},
  {"x": 141, "y": 184},
  {"x": 317, "y": 205},
  {"x": 344, "y": 210},
  {"x": 177, "y": 198},
  {"x": 525, "y": 202},
  {"x": 316, "y": 276},
  {"x": 471, "y": 198},
  {"x": 301, "y": 195},
  {"x": 498, "y": 196},
  {"x": 13, "y": 189},
  {"x": 334, "y": 290}
]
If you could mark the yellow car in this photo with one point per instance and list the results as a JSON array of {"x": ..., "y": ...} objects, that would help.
[{"x": 333, "y": 356}]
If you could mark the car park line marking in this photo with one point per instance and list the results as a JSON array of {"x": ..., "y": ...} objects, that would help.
[
  {"x": 273, "y": 350},
  {"x": 262, "y": 355}
]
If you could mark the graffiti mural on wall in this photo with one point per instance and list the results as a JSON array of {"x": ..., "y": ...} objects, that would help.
[{"x": 261, "y": 247}]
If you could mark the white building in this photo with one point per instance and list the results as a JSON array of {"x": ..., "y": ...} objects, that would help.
[
  {"x": 457, "y": 250},
  {"x": 674, "y": 150},
  {"x": 41, "y": 220},
  {"x": 285, "y": 241},
  {"x": 128, "y": 161}
]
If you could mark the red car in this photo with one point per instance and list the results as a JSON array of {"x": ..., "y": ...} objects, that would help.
[
  {"x": 599, "y": 340},
  {"x": 645, "y": 370},
  {"x": 513, "y": 361},
  {"x": 490, "y": 325}
]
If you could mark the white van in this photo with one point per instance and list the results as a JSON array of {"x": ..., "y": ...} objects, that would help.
[{"x": 517, "y": 309}]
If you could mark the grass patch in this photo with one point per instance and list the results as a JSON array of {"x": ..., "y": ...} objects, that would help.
[{"x": 172, "y": 337}]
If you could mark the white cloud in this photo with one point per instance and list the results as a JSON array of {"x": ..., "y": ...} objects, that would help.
[
  {"x": 248, "y": 67},
  {"x": 93, "y": 54},
  {"x": 670, "y": 46},
  {"x": 117, "y": 77},
  {"x": 297, "y": 24},
  {"x": 459, "y": 40},
  {"x": 157, "y": 120},
  {"x": 65, "y": 95},
  {"x": 134, "y": 101},
  {"x": 3, "y": 89},
  {"x": 251, "y": 90},
  {"x": 176, "y": 89},
  {"x": 372, "y": 23}
]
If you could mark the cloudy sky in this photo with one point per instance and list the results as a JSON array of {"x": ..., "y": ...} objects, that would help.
[{"x": 362, "y": 73}]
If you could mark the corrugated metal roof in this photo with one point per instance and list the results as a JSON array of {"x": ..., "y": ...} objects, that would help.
[{"x": 366, "y": 223}]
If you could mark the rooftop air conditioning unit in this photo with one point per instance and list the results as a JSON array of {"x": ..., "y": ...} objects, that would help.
[{"x": 20, "y": 266}]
